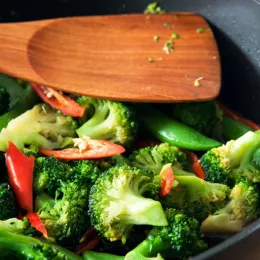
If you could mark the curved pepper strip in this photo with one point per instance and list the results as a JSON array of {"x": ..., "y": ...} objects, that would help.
[
  {"x": 172, "y": 131},
  {"x": 59, "y": 101},
  {"x": 196, "y": 167},
  {"x": 167, "y": 179},
  {"x": 94, "y": 149},
  {"x": 36, "y": 222},
  {"x": 20, "y": 171}
]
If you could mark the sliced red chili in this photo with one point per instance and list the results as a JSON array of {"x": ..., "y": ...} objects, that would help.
[
  {"x": 36, "y": 222},
  {"x": 235, "y": 116},
  {"x": 59, "y": 101},
  {"x": 20, "y": 171},
  {"x": 167, "y": 179},
  {"x": 196, "y": 167},
  {"x": 95, "y": 149}
]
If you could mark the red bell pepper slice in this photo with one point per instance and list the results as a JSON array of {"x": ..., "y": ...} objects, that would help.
[
  {"x": 59, "y": 101},
  {"x": 167, "y": 179},
  {"x": 95, "y": 149},
  {"x": 20, "y": 171},
  {"x": 235, "y": 116},
  {"x": 36, "y": 222},
  {"x": 196, "y": 167}
]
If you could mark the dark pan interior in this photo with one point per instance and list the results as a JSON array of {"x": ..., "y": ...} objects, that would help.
[{"x": 236, "y": 24}]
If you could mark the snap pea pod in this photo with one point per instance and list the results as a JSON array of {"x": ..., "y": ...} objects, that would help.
[
  {"x": 233, "y": 129},
  {"x": 28, "y": 99},
  {"x": 91, "y": 255},
  {"x": 172, "y": 131}
]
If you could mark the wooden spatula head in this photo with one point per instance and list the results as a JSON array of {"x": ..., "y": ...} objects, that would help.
[{"x": 150, "y": 58}]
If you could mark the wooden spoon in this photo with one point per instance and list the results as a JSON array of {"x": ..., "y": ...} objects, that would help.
[{"x": 119, "y": 57}]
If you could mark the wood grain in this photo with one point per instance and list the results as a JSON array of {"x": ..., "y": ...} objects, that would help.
[{"x": 107, "y": 56}]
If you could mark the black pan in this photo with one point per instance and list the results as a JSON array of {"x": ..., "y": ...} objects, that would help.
[{"x": 236, "y": 24}]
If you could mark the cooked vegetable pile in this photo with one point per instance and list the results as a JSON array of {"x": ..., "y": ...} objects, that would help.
[{"x": 85, "y": 178}]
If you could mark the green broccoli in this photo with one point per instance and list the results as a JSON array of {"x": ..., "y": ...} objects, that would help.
[
  {"x": 154, "y": 158},
  {"x": 180, "y": 239},
  {"x": 109, "y": 120},
  {"x": 62, "y": 196},
  {"x": 16, "y": 246},
  {"x": 7, "y": 202},
  {"x": 116, "y": 203},
  {"x": 21, "y": 99},
  {"x": 205, "y": 117},
  {"x": 39, "y": 127},
  {"x": 198, "y": 197},
  {"x": 153, "y": 8},
  {"x": 241, "y": 210},
  {"x": 18, "y": 226},
  {"x": 50, "y": 173},
  {"x": 4, "y": 100},
  {"x": 90, "y": 255},
  {"x": 233, "y": 160}
]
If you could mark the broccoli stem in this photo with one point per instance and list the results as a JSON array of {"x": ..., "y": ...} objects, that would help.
[
  {"x": 14, "y": 244},
  {"x": 97, "y": 123},
  {"x": 142, "y": 211},
  {"x": 150, "y": 248},
  {"x": 25, "y": 102},
  {"x": 91, "y": 255}
]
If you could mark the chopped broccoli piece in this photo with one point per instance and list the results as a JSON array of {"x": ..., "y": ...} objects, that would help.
[
  {"x": 4, "y": 100},
  {"x": 205, "y": 117},
  {"x": 18, "y": 226},
  {"x": 154, "y": 8},
  {"x": 233, "y": 160},
  {"x": 63, "y": 193},
  {"x": 50, "y": 173},
  {"x": 198, "y": 197},
  {"x": 7, "y": 202},
  {"x": 38, "y": 127},
  {"x": 116, "y": 203},
  {"x": 241, "y": 210},
  {"x": 91, "y": 255},
  {"x": 180, "y": 239},
  {"x": 154, "y": 158},
  {"x": 16, "y": 246},
  {"x": 109, "y": 120}
]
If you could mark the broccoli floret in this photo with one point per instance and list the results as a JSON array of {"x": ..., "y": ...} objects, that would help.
[
  {"x": 18, "y": 226},
  {"x": 15, "y": 246},
  {"x": 4, "y": 100},
  {"x": 233, "y": 160},
  {"x": 198, "y": 197},
  {"x": 205, "y": 117},
  {"x": 154, "y": 158},
  {"x": 50, "y": 173},
  {"x": 91, "y": 255},
  {"x": 241, "y": 210},
  {"x": 39, "y": 127},
  {"x": 116, "y": 203},
  {"x": 63, "y": 193},
  {"x": 7, "y": 202},
  {"x": 109, "y": 120},
  {"x": 180, "y": 239}
]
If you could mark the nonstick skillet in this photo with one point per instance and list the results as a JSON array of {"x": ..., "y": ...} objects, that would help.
[{"x": 236, "y": 24}]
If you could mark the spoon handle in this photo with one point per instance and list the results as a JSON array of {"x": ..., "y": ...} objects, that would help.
[{"x": 14, "y": 41}]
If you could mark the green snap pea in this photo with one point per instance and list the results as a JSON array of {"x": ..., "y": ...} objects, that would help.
[
  {"x": 90, "y": 255},
  {"x": 172, "y": 131},
  {"x": 233, "y": 129}
]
